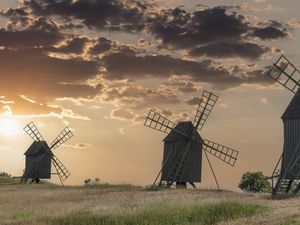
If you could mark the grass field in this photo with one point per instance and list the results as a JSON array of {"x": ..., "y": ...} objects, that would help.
[{"x": 46, "y": 204}]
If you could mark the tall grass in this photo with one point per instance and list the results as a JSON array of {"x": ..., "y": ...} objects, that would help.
[{"x": 208, "y": 214}]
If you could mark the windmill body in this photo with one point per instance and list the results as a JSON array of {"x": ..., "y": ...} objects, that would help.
[
  {"x": 174, "y": 144},
  {"x": 183, "y": 146},
  {"x": 286, "y": 174},
  {"x": 38, "y": 152},
  {"x": 291, "y": 124}
]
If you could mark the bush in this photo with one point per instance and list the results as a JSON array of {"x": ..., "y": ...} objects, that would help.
[
  {"x": 3, "y": 174},
  {"x": 90, "y": 182},
  {"x": 255, "y": 182}
]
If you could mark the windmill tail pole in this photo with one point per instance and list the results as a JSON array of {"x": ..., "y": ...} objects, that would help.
[
  {"x": 212, "y": 170},
  {"x": 152, "y": 187}
]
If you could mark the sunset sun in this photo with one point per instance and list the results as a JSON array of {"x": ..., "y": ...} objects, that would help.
[{"x": 9, "y": 126}]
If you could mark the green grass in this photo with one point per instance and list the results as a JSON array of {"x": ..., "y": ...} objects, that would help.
[
  {"x": 207, "y": 214},
  {"x": 291, "y": 221},
  {"x": 125, "y": 187},
  {"x": 9, "y": 180}
]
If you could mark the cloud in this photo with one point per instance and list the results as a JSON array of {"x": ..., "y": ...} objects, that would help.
[
  {"x": 108, "y": 14},
  {"x": 138, "y": 97},
  {"x": 294, "y": 23},
  {"x": 72, "y": 46},
  {"x": 270, "y": 29},
  {"x": 32, "y": 73},
  {"x": 2, "y": 148},
  {"x": 122, "y": 114},
  {"x": 102, "y": 45},
  {"x": 128, "y": 66},
  {"x": 21, "y": 105},
  {"x": 269, "y": 33},
  {"x": 184, "y": 86},
  {"x": 230, "y": 50},
  {"x": 78, "y": 146},
  {"x": 40, "y": 32},
  {"x": 193, "y": 101},
  {"x": 180, "y": 29}
]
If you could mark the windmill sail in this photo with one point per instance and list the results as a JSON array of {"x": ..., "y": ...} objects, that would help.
[
  {"x": 61, "y": 170},
  {"x": 285, "y": 73},
  {"x": 33, "y": 132},
  {"x": 207, "y": 102},
  {"x": 65, "y": 135},
  {"x": 158, "y": 122},
  {"x": 222, "y": 152}
]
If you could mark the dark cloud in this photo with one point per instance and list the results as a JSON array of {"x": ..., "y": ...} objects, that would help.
[
  {"x": 102, "y": 45},
  {"x": 193, "y": 101},
  {"x": 75, "y": 46},
  {"x": 110, "y": 14},
  {"x": 180, "y": 29},
  {"x": 269, "y": 33},
  {"x": 128, "y": 66},
  {"x": 40, "y": 32},
  {"x": 229, "y": 50}
]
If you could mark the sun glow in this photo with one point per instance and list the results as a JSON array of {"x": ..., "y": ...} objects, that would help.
[{"x": 9, "y": 126}]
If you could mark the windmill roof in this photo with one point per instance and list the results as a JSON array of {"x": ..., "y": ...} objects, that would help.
[
  {"x": 293, "y": 109},
  {"x": 37, "y": 147},
  {"x": 187, "y": 127}
]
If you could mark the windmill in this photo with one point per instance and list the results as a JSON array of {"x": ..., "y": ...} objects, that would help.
[
  {"x": 286, "y": 175},
  {"x": 183, "y": 146},
  {"x": 39, "y": 156}
]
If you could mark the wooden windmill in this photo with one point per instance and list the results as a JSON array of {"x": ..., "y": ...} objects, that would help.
[
  {"x": 39, "y": 156},
  {"x": 286, "y": 174},
  {"x": 183, "y": 146}
]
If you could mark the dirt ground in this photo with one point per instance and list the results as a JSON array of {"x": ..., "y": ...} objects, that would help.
[{"x": 48, "y": 200}]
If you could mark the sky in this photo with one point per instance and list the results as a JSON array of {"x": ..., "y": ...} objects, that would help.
[{"x": 98, "y": 67}]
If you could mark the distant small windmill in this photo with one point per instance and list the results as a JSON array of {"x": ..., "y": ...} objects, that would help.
[
  {"x": 39, "y": 156},
  {"x": 183, "y": 146},
  {"x": 286, "y": 176}
]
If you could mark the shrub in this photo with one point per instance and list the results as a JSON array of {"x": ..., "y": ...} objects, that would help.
[
  {"x": 3, "y": 174},
  {"x": 255, "y": 182}
]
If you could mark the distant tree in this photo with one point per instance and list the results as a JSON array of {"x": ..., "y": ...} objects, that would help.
[
  {"x": 255, "y": 182},
  {"x": 3, "y": 174}
]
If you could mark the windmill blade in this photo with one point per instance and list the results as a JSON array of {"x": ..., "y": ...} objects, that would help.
[
  {"x": 285, "y": 73},
  {"x": 158, "y": 122},
  {"x": 224, "y": 153},
  {"x": 65, "y": 135},
  {"x": 207, "y": 102},
  {"x": 33, "y": 132},
  {"x": 61, "y": 170}
]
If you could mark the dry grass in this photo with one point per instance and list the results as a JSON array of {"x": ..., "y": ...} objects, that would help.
[{"x": 20, "y": 204}]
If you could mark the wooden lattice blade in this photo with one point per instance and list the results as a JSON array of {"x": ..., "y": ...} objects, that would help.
[
  {"x": 61, "y": 170},
  {"x": 222, "y": 152},
  {"x": 158, "y": 122},
  {"x": 65, "y": 135},
  {"x": 33, "y": 132},
  {"x": 285, "y": 73},
  {"x": 207, "y": 102}
]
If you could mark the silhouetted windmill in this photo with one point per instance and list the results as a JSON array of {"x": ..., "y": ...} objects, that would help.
[
  {"x": 287, "y": 178},
  {"x": 39, "y": 156},
  {"x": 182, "y": 158}
]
